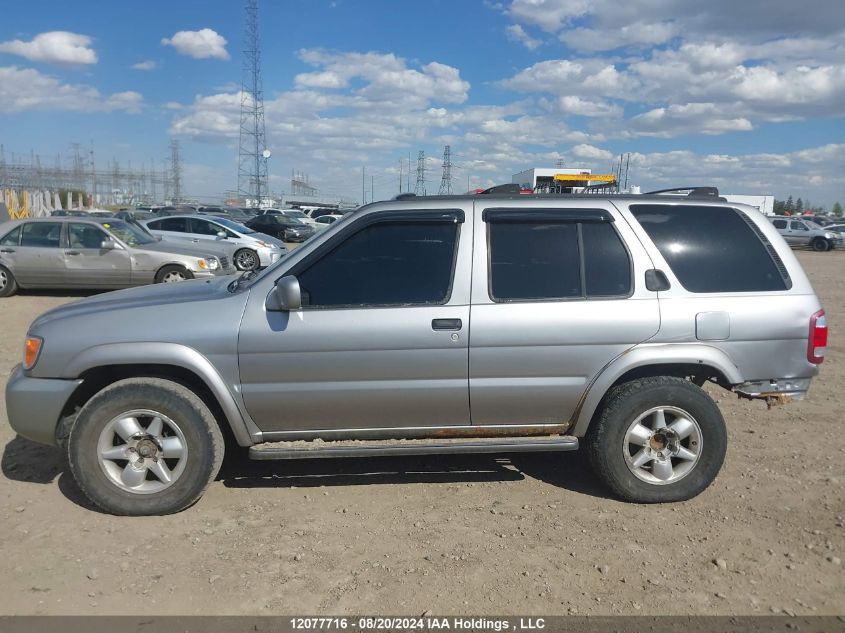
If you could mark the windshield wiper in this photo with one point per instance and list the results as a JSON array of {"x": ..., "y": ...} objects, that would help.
[{"x": 246, "y": 275}]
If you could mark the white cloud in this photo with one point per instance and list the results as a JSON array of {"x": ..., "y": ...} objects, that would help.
[
  {"x": 516, "y": 33},
  {"x": 54, "y": 47},
  {"x": 144, "y": 65},
  {"x": 590, "y": 152},
  {"x": 26, "y": 89},
  {"x": 636, "y": 34},
  {"x": 691, "y": 118},
  {"x": 203, "y": 44}
]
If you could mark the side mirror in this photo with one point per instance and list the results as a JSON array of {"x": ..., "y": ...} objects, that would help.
[
  {"x": 285, "y": 296},
  {"x": 221, "y": 234},
  {"x": 108, "y": 245}
]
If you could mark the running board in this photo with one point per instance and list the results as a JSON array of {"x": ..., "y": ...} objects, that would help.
[{"x": 385, "y": 448}]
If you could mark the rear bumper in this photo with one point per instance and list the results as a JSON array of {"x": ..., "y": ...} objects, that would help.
[
  {"x": 775, "y": 391},
  {"x": 33, "y": 405}
]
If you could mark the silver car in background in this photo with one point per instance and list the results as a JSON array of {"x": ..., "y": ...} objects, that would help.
[
  {"x": 251, "y": 249},
  {"x": 98, "y": 253},
  {"x": 801, "y": 232}
]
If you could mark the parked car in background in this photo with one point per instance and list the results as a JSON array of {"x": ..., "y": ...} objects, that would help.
[
  {"x": 134, "y": 214},
  {"x": 97, "y": 253},
  {"x": 301, "y": 216},
  {"x": 281, "y": 226},
  {"x": 802, "y": 232},
  {"x": 64, "y": 213},
  {"x": 251, "y": 249},
  {"x": 839, "y": 228},
  {"x": 325, "y": 221}
]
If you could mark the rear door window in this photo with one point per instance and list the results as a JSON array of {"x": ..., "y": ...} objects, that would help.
[
  {"x": 712, "y": 249},
  {"x": 551, "y": 255},
  {"x": 42, "y": 234},
  {"x": 176, "y": 225}
]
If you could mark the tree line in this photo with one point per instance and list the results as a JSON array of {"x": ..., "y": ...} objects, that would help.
[{"x": 799, "y": 206}]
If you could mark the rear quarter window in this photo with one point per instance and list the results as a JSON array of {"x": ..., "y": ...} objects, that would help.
[{"x": 712, "y": 249}]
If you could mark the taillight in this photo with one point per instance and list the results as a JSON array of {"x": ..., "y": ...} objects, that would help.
[{"x": 817, "y": 342}]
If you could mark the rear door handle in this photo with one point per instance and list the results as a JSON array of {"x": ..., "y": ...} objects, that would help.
[
  {"x": 7, "y": 250},
  {"x": 446, "y": 324},
  {"x": 71, "y": 252}
]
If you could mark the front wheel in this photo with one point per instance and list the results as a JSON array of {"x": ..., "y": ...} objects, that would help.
[
  {"x": 657, "y": 440},
  {"x": 172, "y": 274},
  {"x": 820, "y": 245},
  {"x": 246, "y": 259},
  {"x": 144, "y": 446}
]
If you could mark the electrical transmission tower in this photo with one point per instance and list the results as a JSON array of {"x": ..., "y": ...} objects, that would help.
[
  {"x": 176, "y": 171},
  {"x": 420, "y": 188},
  {"x": 446, "y": 180},
  {"x": 252, "y": 154}
]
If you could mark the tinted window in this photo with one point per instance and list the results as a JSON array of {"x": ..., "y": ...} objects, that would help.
[
  {"x": 203, "y": 227},
  {"x": 798, "y": 226},
  {"x": 85, "y": 236},
  {"x": 607, "y": 269},
  {"x": 533, "y": 260},
  {"x": 710, "y": 249},
  {"x": 779, "y": 224},
  {"x": 178, "y": 225},
  {"x": 385, "y": 264},
  {"x": 12, "y": 238},
  {"x": 44, "y": 234}
]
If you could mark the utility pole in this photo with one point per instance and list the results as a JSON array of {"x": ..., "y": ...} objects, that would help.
[
  {"x": 408, "y": 188},
  {"x": 252, "y": 148},
  {"x": 372, "y": 188},
  {"x": 420, "y": 186},
  {"x": 400, "y": 175},
  {"x": 363, "y": 186},
  {"x": 446, "y": 180}
]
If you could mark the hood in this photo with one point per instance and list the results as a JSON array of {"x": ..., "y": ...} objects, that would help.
[
  {"x": 180, "y": 248},
  {"x": 194, "y": 290}
]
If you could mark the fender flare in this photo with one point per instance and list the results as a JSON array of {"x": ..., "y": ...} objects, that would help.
[
  {"x": 174, "y": 354},
  {"x": 643, "y": 356}
]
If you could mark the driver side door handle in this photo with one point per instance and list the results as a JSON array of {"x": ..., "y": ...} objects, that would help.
[{"x": 446, "y": 324}]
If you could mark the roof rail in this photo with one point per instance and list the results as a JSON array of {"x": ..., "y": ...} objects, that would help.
[{"x": 694, "y": 192}]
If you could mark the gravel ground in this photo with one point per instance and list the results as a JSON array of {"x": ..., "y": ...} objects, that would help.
[{"x": 529, "y": 534}]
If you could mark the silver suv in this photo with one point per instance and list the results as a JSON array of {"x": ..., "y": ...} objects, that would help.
[
  {"x": 460, "y": 324},
  {"x": 802, "y": 232}
]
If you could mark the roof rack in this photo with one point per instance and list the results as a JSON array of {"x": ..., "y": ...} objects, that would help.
[{"x": 694, "y": 192}]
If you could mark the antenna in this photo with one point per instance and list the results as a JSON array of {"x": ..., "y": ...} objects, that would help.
[
  {"x": 446, "y": 180},
  {"x": 420, "y": 187},
  {"x": 252, "y": 165}
]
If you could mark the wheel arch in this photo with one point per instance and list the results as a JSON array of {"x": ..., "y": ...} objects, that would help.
[
  {"x": 702, "y": 362},
  {"x": 103, "y": 365}
]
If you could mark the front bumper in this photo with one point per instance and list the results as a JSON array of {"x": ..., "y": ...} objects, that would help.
[
  {"x": 268, "y": 256},
  {"x": 34, "y": 405}
]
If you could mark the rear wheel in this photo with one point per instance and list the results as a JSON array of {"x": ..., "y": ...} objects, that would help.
[
  {"x": 246, "y": 259},
  {"x": 145, "y": 446},
  {"x": 172, "y": 274},
  {"x": 8, "y": 285},
  {"x": 657, "y": 440},
  {"x": 820, "y": 244}
]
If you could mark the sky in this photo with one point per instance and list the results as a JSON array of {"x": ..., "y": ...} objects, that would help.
[{"x": 748, "y": 96}]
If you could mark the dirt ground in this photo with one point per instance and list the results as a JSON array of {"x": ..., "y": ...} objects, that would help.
[{"x": 530, "y": 534}]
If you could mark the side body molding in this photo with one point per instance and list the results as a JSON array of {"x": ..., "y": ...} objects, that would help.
[
  {"x": 160, "y": 353},
  {"x": 644, "y": 355}
]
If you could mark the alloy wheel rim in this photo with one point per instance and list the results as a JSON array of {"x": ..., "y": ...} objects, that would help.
[
  {"x": 662, "y": 445},
  {"x": 245, "y": 260},
  {"x": 173, "y": 276},
  {"x": 142, "y": 451},
  {"x": 4, "y": 279}
]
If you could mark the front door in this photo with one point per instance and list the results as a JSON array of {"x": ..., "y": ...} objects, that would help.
[
  {"x": 88, "y": 265},
  {"x": 554, "y": 299},
  {"x": 799, "y": 233},
  {"x": 381, "y": 339}
]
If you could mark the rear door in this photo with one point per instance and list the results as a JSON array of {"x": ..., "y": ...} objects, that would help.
[
  {"x": 557, "y": 293},
  {"x": 39, "y": 260},
  {"x": 88, "y": 265},
  {"x": 175, "y": 228}
]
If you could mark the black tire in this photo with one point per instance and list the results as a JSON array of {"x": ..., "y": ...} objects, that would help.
[
  {"x": 605, "y": 439},
  {"x": 202, "y": 435},
  {"x": 8, "y": 284},
  {"x": 172, "y": 270},
  {"x": 246, "y": 254},
  {"x": 820, "y": 245}
]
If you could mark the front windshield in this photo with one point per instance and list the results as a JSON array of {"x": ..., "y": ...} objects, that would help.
[
  {"x": 235, "y": 226},
  {"x": 295, "y": 214},
  {"x": 285, "y": 219},
  {"x": 128, "y": 233},
  {"x": 812, "y": 225}
]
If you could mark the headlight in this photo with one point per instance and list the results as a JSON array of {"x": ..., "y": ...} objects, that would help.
[
  {"x": 264, "y": 244},
  {"x": 210, "y": 263},
  {"x": 829, "y": 236},
  {"x": 31, "y": 350}
]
